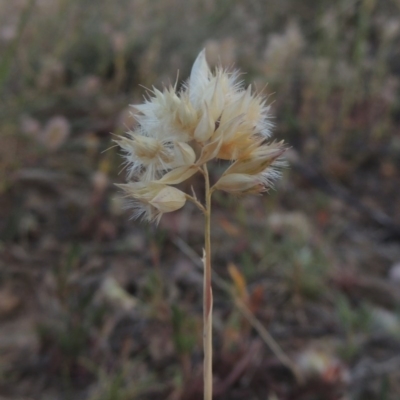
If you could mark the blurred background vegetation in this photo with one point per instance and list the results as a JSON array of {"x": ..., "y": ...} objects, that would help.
[{"x": 96, "y": 306}]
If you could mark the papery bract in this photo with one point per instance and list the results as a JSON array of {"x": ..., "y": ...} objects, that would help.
[{"x": 212, "y": 117}]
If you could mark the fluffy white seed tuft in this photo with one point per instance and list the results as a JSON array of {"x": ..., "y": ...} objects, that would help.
[{"x": 212, "y": 117}]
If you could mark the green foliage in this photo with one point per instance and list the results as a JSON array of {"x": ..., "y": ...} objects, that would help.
[
  {"x": 115, "y": 390},
  {"x": 184, "y": 331},
  {"x": 303, "y": 265},
  {"x": 356, "y": 323},
  {"x": 70, "y": 331},
  {"x": 152, "y": 290},
  {"x": 353, "y": 320}
]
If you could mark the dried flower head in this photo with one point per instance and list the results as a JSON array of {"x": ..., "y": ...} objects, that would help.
[{"x": 212, "y": 117}]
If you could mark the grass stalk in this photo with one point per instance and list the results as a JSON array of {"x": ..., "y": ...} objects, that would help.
[{"x": 207, "y": 294}]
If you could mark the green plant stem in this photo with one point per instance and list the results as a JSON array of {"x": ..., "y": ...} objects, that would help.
[{"x": 207, "y": 294}]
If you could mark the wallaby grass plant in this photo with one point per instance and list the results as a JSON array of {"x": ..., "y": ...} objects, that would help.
[
  {"x": 178, "y": 134},
  {"x": 337, "y": 99}
]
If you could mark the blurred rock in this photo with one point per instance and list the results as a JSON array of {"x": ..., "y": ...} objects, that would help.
[
  {"x": 315, "y": 363},
  {"x": 391, "y": 28},
  {"x": 388, "y": 169},
  {"x": 28, "y": 225},
  {"x": 384, "y": 321},
  {"x": 135, "y": 242},
  {"x": 106, "y": 230},
  {"x": 52, "y": 74},
  {"x": 390, "y": 89},
  {"x": 100, "y": 182},
  {"x": 119, "y": 41},
  {"x": 116, "y": 205},
  {"x": 30, "y": 126},
  {"x": 9, "y": 302},
  {"x": 89, "y": 85},
  {"x": 127, "y": 335},
  {"x": 8, "y": 33},
  {"x": 48, "y": 243},
  {"x": 19, "y": 336},
  {"x": 394, "y": 273},
  {"x": 293, "y": 224},
  {"x": 115, "y": 295},
  {"x": 55, "y": 133},
  {"x": 161, "y": 346}
]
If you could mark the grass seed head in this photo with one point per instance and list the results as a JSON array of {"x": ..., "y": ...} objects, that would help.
[{"x": 214, "y": 113}]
